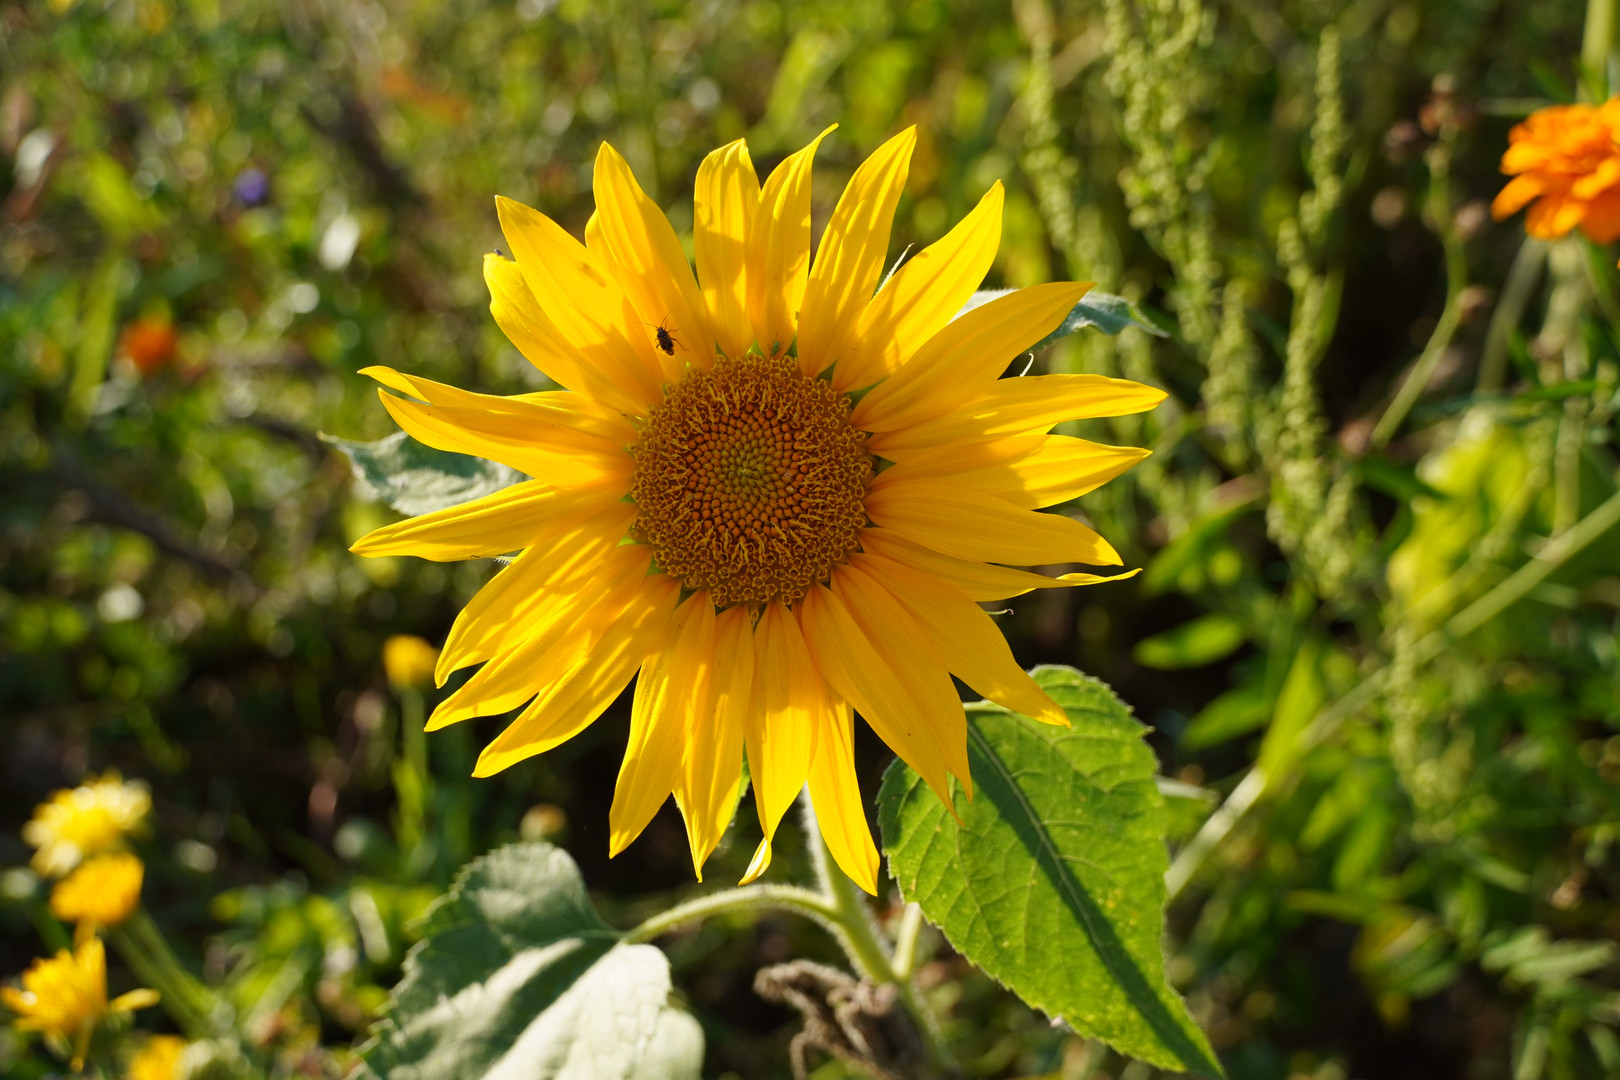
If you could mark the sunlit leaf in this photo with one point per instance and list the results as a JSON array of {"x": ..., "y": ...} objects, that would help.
[
  {"x": 1053, "y": 880},
  {"x": 517, "y": 976}
]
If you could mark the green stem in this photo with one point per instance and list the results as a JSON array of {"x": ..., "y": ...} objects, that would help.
[
  {"x": 905, "y": 941},
  {"x": 413, "y": 793},
  {"x": 1558, "y": 551},
  {"x": 1597, "y": 43},
  {"x": 187, "y": 1002},
  {"x": 1450, "y": 315},
  {"x": 864, "y": 945},
  {"x": 1520, "y": 286},
  {"x": 749, "y": 898}
]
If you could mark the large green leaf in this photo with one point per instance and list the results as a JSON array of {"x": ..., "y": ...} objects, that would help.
[
  {"x": 1109, "y": 313},
  {"x": 518, "y": 977},
  {"x": 1053, "y": 880},
  {"x": 417, "y": 479}
]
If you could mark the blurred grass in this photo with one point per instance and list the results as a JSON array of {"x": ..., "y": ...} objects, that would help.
[{"x": 299, "y": 190}]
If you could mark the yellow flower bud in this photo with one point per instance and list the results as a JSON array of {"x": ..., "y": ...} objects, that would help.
[
  {"x": 103, "y": 890},
  {"x": 409, "y": 662},
  {"x": 158, "y": 1059}
]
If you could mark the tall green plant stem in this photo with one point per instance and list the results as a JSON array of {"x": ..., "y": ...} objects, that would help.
[
  {"x": 1597, "y": 43},
  {"x": 191, "y": 1004},
  {"x": 1450, "y": 315},
  {"x": 1557, "y": 551}
]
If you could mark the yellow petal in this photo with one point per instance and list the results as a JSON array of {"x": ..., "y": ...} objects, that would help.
[
  {"x": 961, "y": 361},
  {"x": 549, "y": 423},
  {"x": 674, "y": 688},
  {"x": 135, "y": 999},
  {"x": 561, "y": 455},
  {"x": 971, "y": 645},
  {"x": 583, "y": 302},
  {"x": 1029, "y": 471},
  {"x": 726, "y": 202},
  {"x": 714, "y": 745},
  {"x": 836, "y": 795},
  {"x": 850, "y": 259},
  {"x": 652, "y": 266},
  {"x": 532, "y": 333},
  {"x": 572, "y": 702},
  {"x": 554, "y": 634},
  {"x": 780, "y": 728},
  {"x": 978, "y": 581},
  {"x": 970, "y": 525},
  {"x": 922, "y": 297},
  {"x": 759, "y": 863},
  {"x": 779, "y": 251},
  {"x": 1021, "y": 406},
  {"x": 548, "y": 409},
  {"x": 508, "y": 520},
  {"x": 508, "y": 600},
  {"x": 862, "y": 666}
]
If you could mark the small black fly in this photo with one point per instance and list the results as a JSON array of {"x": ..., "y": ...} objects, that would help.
[{"x": 666, "y": 340}]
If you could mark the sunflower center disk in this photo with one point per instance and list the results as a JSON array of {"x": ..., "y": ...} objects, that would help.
[{"x": 749, "y": 481}]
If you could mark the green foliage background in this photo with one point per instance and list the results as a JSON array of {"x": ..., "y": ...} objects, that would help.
[{"x": 1349, "y": 586}]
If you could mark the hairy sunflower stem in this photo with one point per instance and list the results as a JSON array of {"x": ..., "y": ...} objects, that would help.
[
  {"x": 868, "y": 952},
  {"x": 748, "y": 898},
  {"x": 905, "y": 941}
]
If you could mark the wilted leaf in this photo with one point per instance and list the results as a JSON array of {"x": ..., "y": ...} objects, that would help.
[
  {"x": 1053, "y": 881},
  {"x": 417, "y": 479},
  {"x": 1105, "y": 311}
]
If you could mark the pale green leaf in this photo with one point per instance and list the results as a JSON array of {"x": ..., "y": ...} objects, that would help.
[
  {"x": 417, "y": 479},
  {"x": 1109, "y": 313},
  {"x": 1053, "y": 881},
  {"x": 518, "y": 977},
  {"x": 1196, "y": 643}
]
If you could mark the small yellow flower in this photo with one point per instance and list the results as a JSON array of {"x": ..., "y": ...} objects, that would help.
[
  {"x": 65, "y": 997},
  {"x": 409, "y": 661},
  {"x": 79, "y": 822},
  {"x": 103, "y": 890},
  {"x": 775, "y": 489},
  {"x": 1565, "y": 160},
  {"x": 157, "y": 1059}
]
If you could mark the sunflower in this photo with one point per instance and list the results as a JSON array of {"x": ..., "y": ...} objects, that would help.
[
  {"x": 1565, "y": 164},
  {"x": 774, "y": 489},
  {"x": 64, "y": 997}
]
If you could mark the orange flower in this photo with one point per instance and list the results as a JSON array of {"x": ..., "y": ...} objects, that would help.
[
  {"x": 149, "y": 342},
  {"x": 1566, "y": 161}
]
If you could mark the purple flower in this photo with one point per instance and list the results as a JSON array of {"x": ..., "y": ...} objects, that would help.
[{"x": 252, "y": 187}]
